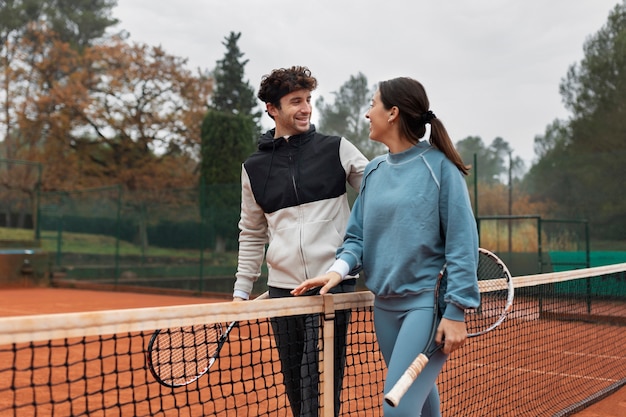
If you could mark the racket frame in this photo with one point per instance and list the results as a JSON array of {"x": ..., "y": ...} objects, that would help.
[{"x": 221, "y": 340}]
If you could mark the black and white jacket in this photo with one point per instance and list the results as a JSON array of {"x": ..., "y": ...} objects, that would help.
[{"x": 294, "y": 199}]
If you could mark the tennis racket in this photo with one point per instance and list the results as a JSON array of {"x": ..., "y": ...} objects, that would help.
[
  {"x": 496, "y": 288},
  {"x": 179, "y": 356}
]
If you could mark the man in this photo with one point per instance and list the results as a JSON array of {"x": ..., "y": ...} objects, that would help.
[{"x": 294, "y": 199}]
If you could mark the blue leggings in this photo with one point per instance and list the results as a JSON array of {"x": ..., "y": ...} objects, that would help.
[{"x": 401, "y": 336}]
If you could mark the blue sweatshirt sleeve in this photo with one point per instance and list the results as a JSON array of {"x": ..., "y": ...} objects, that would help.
[
  {"x": 351, "y": 251},
  {"x": 461, "y": 243}
]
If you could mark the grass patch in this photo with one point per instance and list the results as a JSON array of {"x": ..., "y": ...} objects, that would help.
[{"x": 82, "y": 243}]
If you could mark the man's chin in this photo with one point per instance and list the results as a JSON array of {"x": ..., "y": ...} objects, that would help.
[{"x": 302, "y": 128}]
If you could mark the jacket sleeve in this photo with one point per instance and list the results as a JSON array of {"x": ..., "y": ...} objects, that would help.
[
  {"x": 353, "y": 162},
  {"x": 252, "y": 239}
]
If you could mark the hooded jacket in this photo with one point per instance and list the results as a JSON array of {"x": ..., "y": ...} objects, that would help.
[{"x": 294, "y": 200}]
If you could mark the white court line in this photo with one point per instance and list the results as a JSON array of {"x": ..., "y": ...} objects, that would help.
[
  {"x": 539, "y": 372},
  {"x": 559, "y": 352}
]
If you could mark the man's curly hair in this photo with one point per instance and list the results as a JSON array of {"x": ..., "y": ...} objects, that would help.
[{"x": 283, "y": 81}]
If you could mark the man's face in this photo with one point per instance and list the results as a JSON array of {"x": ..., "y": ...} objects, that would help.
[{"x": 294, "y": 115}]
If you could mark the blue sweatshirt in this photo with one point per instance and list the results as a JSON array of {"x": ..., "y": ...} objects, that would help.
[{"x": 412, "y": 216}]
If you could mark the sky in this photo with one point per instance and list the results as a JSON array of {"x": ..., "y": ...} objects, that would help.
[{"x": 491, "y": 68}]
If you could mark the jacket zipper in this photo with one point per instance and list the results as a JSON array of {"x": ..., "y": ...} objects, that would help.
[
  {"x": 293, "y": 177},
  {"x": 295, "y": 190}
]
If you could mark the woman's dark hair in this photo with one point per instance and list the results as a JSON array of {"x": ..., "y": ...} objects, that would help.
[
  {"x": 409, "y": 96},
  {"x": 283, "y": 81}
]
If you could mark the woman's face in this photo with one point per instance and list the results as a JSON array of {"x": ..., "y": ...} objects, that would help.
[{"x": 379, "y": 119}]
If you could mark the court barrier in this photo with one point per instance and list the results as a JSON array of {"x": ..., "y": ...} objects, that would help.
[{"x": 558, "y": 351}]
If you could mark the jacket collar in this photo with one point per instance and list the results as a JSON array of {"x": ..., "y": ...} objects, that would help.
[{"x": 267, "y": 141}]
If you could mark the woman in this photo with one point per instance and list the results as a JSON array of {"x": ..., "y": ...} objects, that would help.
[{"x": 412, "y": 216}]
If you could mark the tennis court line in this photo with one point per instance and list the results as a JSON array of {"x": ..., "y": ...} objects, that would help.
[
  {"x": 540, "y": 372},
  {"x": 559, "y": 374}
]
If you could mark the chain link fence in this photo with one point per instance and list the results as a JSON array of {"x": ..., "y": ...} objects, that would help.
[{"x": 187, "y": 239}]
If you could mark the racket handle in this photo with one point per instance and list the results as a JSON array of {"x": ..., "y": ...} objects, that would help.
[{"x": 396, "y": 393}]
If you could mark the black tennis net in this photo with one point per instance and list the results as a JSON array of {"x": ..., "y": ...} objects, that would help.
[{"x": 559, "y": 350}]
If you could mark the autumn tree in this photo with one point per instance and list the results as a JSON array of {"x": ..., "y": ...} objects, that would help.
[
  {"x": 143, "y": 127},
  {"x": 149, "y": 108},
  {"x": 229, "y": 130},
  {"x": 113, "y": 113},
  {"x": 75, "y": 22},
  {"x": 345, "y": 116}
]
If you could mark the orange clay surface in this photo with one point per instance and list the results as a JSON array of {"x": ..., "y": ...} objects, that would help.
[
  {"x": 612, "y": 406},
  {"x": 26, "y": 301}
]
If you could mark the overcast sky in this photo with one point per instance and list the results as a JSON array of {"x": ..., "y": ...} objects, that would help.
[{"x": 490, "y": 67}]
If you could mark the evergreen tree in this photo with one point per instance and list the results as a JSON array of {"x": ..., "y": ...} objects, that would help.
[
  {"x": 232, "y": 93},
  {"x": 229, "y": 131},
  {"x": 80, "y": 22}
]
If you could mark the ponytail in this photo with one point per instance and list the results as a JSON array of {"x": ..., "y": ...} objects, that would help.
[{"x": 440, "y": 139}]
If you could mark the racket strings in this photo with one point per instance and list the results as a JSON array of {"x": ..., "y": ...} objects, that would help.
[
  {"x": 496, "y": 290},
  {"x": 181, "y": 354}
]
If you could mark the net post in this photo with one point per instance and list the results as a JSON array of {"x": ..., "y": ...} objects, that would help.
[{"x": 327, "y": 355}]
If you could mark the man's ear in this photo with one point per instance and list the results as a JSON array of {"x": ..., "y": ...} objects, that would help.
[{"x": 271, "y": 109}]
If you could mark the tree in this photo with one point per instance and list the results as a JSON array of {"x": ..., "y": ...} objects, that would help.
[
  {"x": 112, "y": 113},
  {"x": 229, "y": 130},
  {"x": 495, "y": 170},
  {"x": 147, "y": 105},
  {"x": 233, "y": 94},
  {"x": 557, "y": 134},
  {"x": 75, "y": 22},
  {"x": 492, "y": 161},
  {"x": 585, "y": 159},
  {"x": 79, "y": 22},
  {"x": 96, "y": 113},
  {"x": 346, "y": 115}
]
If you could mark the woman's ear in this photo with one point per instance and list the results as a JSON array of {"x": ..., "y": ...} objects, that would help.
[{"x": 393, "y": 114}]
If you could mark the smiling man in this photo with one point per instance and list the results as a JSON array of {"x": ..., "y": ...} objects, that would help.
[{"x": 294, "y": 200}]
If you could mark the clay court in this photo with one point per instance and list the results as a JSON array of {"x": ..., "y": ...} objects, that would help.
[{"x": 29, "y": 301}]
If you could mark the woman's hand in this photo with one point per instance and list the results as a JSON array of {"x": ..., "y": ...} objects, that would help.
[
  {"x": 326, "y": 281},
  {"x": 451, "y": 335}
]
